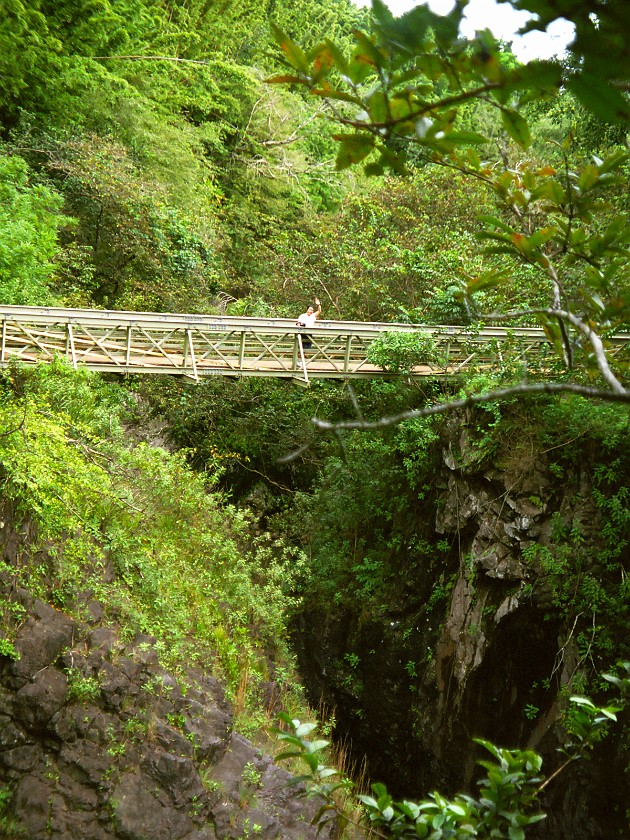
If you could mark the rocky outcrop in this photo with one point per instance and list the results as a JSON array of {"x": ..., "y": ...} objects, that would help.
[
  {"x": 505, "y": 654},
  {"x": 488, "y": 658},
  {"x": 98, "y": 742}
]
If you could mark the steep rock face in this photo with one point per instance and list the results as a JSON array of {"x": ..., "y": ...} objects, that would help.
[
  {"x": 494, "y": 645},
  {"x": 502, "y": 651},
  {"x": 498, "y": 657},
  {"x": 371, "y": 692},
  {"x": 98, "y": 742}
]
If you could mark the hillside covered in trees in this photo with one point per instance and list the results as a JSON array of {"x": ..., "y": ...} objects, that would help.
[{"x": 416, "y": 563}]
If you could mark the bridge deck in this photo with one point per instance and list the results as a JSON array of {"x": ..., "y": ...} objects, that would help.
[{"x": 205, "y": 345}]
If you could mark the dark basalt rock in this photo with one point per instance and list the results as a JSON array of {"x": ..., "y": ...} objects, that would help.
[
  {"x": 114, "y": 766},
  {"x": 428, "y": 678}
]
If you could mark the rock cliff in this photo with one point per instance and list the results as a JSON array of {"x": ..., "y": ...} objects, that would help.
[
  {"x": 476, "y": 645},
  {"x": 98, "y": 742}
]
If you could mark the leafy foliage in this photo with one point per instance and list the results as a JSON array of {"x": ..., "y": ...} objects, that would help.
[
  {"x": 206, "y": 164},
  {"x": 29, "y": 225},
  {"x": 417, "y": 63},
  {"x": 598, "y": 51},
  {"x": 401, "y": 351},
  {"x": 176, "y": 551},
  {"x": 506, "y": 806},
  {"x": 403, "y": 85},
  {"x": 144, "y": 254}
]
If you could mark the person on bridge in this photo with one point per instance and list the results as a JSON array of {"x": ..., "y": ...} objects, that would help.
[{"x": 307, "y": 319}]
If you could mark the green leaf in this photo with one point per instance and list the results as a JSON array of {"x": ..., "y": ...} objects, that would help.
[
  {"x": 550, "y": 190},
  {"x": 537, "y": 79},
  {"x": 311, "y": 760},
  {"x": 407, "y": 33},
  {"x": 305, "y": 729},
  {"x": 491, "y": 234},
  {"x": 378, "y": 107},
  {"x": 381, "y": 12},
  {"x": 327, "y": 92},
  {"x": 488, "y": 745},
  {"x": 293, "y": 53},
  {"x": 315, "y": 746},
  {"x": 438, "y": 821},
  {"x": 516, "y": 126},
  {"x": 322, "y": 60},
  {"x": 597, "y": 94},
  {"x": 359, "y": 68},
  {"x": 291, "y": 739},
  {"x": 583, "y": 701},
  {"x": 588, "y": 178},
  {"x": 616, "y": 308},
  {"x": 613, "y": 161},
  {"x": 286, "y": 80},
  {"x": 395, "y": 160},
  {"x": 368, "y": 800},
  {"x": 433, "y": 66},
  {"x": 288, "y": 754},
  {"x": 542, "y": 236},
  {"x": 341, "y": 63},
  {"x": 374, "y": 169},
  {"x": 317, "y": 818},
  {"x": 487, "y": 280},
  {"x": 353, "y": 149},
  {"x": 388, "y": 813},
  {"x": 409, "y": 809},
  {"x": 495, "y": 222},
  {"x": 368, "y": 51},
  {"x": 610, "y": 712},
  {"x": 409, "y": 74}
]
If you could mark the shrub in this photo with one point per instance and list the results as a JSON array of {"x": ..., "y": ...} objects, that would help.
[{"x": 400, "y": 352}]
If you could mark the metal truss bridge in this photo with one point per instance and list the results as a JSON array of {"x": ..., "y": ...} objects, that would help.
[{"x": 198, "y": 346}]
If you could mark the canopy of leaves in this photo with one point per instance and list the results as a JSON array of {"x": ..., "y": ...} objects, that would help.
[
  {"x": 146, "y": 164},
  {"x": 29, "y": 225}
]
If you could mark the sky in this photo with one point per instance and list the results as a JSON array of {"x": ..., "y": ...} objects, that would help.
[{"x": 502, "y": 20}]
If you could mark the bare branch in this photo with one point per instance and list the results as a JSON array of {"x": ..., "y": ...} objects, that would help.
[
  {"x": 598, "y": 347},
  {"x": 296, "y": 134},
  {"x": 596, "y": 343},
  {"x": 475, "y": 399},
  {"x": 427, "y": 108},
  {"x": 149, "y": 58}
]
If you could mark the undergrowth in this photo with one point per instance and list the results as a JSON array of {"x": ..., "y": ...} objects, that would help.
[{"x": 133, "y": 526}]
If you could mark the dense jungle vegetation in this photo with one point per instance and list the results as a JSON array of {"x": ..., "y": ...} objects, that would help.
[{"x": 159, "y": 155}]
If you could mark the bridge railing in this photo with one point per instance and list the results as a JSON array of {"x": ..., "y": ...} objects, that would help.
[{"x": 205, "y": 345}]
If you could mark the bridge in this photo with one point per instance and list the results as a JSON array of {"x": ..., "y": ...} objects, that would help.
[{"x": 198, "y": 346}]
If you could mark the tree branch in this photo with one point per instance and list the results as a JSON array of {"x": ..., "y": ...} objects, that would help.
[
  {"x": 428, "y": 107},
  {"x": 149, "y": 58},
  {"x": 596, "y": 343},
  {"x": 475, "y": 399}
]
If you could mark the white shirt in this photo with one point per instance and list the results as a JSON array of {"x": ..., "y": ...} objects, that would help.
[{"x": 307, "y": 320}]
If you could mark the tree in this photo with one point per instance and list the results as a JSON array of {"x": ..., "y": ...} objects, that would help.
[
  {"x": 404, "y": 86},
  {"x": 29, "y": 223}
]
